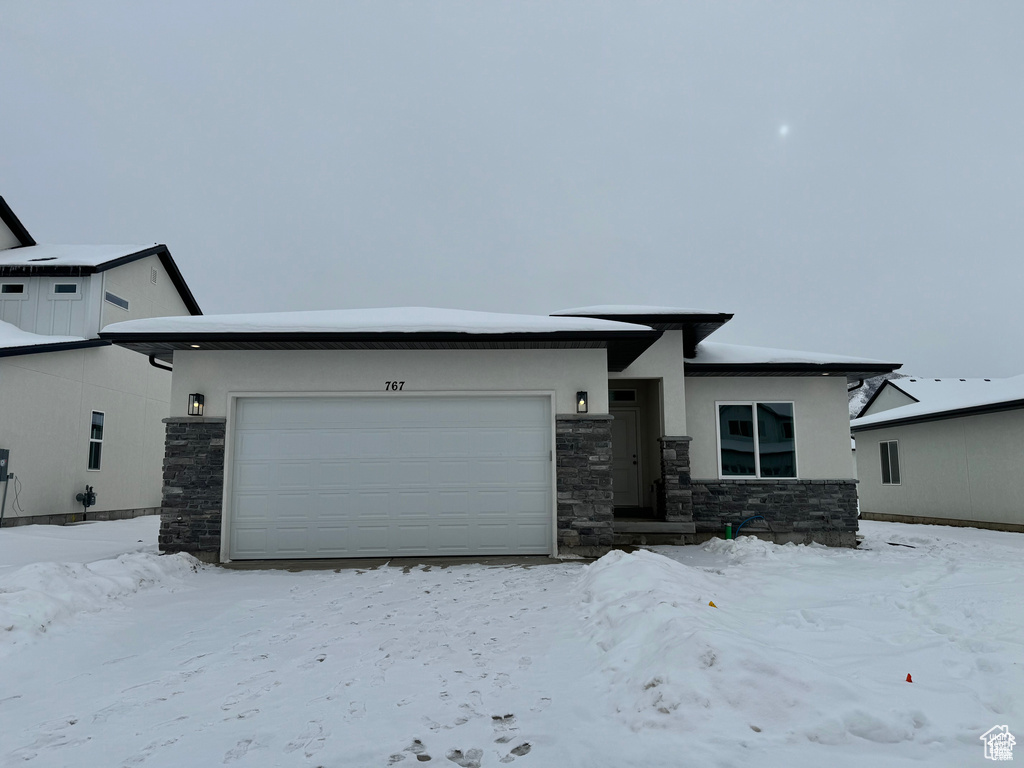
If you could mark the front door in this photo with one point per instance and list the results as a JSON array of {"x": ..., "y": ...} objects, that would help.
[{"x": 625, "y": 457}]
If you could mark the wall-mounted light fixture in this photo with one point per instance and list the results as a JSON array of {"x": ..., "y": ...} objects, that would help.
[
  {"x": 195, "y": 404},
  {"x": 581, "y": 402}
]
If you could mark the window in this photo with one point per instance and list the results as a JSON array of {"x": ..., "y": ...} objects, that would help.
[
  {"x": 96, "y": 440},
  {"x": 116, "y": 300},
  {"x": 622, "y": 395},
  {"x": 12, "y": 288},
  {"x": 65, "y": 287},
  {"x": 767, "y": 451},
  {"x": 890, "y": 454}
]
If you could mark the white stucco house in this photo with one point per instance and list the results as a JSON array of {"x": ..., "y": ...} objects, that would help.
[
  {"x": 77, "y": 410},
  {"x": 418, "y": 431},
  {"x": 943, "y": 451}
]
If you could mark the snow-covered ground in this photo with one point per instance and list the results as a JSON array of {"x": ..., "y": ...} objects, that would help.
[{"x": 145, "y": 660}]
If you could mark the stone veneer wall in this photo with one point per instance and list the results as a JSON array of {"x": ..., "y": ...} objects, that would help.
[
  {"x": 676, "y": 496},
  {"x": 583, "y": 466},
  {"x": 190, "y": 518},
  {"x": 802, "y": 511}
]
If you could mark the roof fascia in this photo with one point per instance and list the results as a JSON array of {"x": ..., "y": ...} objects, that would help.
[
  {"x": 60, "y": 346},
  {"x": 1007, "y": 405},
  {"x": 850, "y": 370},
  {"x": 14, "y": 224}
]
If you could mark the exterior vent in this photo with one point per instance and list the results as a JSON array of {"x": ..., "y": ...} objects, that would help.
[
  {"x": 44, "y": 258},
  {"x": 152, "y": 275}
]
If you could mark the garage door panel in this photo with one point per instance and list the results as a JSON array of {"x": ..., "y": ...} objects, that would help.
[
  {"x": 447, "y": 472},
  {"x": 334, "y": 474},
  {"x": 294, "y": 506},
  {"x": 491, "y": 442},
  {"x": 250, "y": 542},
  {"x": 332, "y": 507},
  {"x": 453, "y": 502},
  {"x": 529, "y": 472},
  {"x": 371, "y": 540},
  {"x": 385, "y": 476},
  {"x": 370, "y": 504},
  {"x": 374, "y": 473},
  {"x": 294, "y": 474},
  {"x": 292, "y": 541},
  {"x": 491, "y": 472},
  {"x": 251, "y": 506},
  {"x": 451, "y": 443},
  {"x": 331, "y": 541},
  {"x": 413, "y": 472},
  {"x": 253, "y": 475}
]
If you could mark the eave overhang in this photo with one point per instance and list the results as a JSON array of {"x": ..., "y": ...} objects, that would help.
[
  {"x": 1006, "y": 405},
  {"x": 60, "y": 346},
  {"x": 852, "y": 372},
  {"x": 624, "y": 347},
  {"x": 78, "y": 270},
  {"x": 695, "y": 327}
]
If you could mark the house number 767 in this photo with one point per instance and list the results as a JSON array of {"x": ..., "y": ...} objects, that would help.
[{"x": 394, "y": 386}]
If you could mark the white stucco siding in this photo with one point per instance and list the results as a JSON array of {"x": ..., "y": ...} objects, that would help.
[
  {"x": 821, "y": 420},
  {"x": 133, "y": 281},
  {"x": 664, "y": 361},
  {"x": 888, "y": 398},
  {"x": 219, "y": 374},
  {"x": 960, "y": 469},
  {"x": 46, "y": 426}
]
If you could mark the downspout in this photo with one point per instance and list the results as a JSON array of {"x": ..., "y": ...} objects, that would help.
[
  {"x": 854, "y": 388},
  {"x": 155, "y": 364}
]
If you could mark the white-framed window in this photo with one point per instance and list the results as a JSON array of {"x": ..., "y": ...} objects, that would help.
[
  {"x": 96, "y": 440},
  {"x": 65, "y": 288},
  {"x": 11, "y": 289},
  {"x": 756, "y": 439},
  {"x": 889, "y": 453}
]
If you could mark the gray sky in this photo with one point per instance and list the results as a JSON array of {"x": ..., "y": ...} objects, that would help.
[{"x": 845, "y": 177}]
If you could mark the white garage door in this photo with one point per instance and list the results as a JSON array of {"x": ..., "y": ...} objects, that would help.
[{"x": 390, "y": 476}]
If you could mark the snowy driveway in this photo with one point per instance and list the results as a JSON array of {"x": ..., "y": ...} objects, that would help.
[{"x": 623, "y": 663}]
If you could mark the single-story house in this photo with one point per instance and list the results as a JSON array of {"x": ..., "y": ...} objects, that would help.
[
  {"x": 417, "y": 431},
  {"x": 78, "y": 411},
  {"x": 943, "y": 451}
]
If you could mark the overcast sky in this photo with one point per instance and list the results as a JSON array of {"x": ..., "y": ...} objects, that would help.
[{"x": 845, "y": 177}]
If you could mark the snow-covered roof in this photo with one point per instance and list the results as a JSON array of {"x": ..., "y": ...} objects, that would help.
[
  {"x": 12, "y": 337},
  {"x": 942, "y": 396},
  {"x": 632, "y": 309},
  {"x": 380, "y": 320},
  {"x": 67, "y": 255},
  {"x": 716, "y": 353}
]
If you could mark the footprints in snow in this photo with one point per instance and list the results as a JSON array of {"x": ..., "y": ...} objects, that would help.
[{"x": 505, "y": 730}]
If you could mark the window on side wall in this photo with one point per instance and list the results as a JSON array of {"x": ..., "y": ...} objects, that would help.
[
  {"x": 96, "y": 440},
  {"x": 890, "y": 455},
  {"x": 767, "y": 450}
]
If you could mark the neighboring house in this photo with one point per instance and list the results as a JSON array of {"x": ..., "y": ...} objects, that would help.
[
  {"x": 943, "y": 451},
  {"x": 412, "y": 431},
  {"x": 78, "y": 411}
]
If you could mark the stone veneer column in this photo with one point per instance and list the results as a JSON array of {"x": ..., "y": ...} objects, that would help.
[
  {"x": 583, "y": 465},
  {"x": 676, "y": 497},
  {"x": 190, "y": 519}
]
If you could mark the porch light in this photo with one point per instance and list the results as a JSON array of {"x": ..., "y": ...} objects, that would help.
[
  {"x": 581, "y": 402},
  {"x": 195, "y": 404}
]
